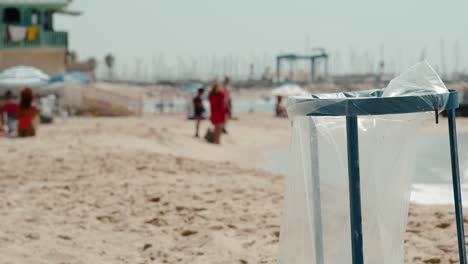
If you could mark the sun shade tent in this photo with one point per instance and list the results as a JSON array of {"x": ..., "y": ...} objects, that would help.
[
  {"x": 288, "y": 89},
  {"x": 70, "y": 77},
  {"x": 348, "y": 191},
  {"x": 68, "y": 85}
]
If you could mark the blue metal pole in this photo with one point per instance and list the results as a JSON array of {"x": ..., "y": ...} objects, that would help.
[
  {"x": 354, "y": 189},
  {"x": 456, "y": 185},
  {"x": 278, "y": 69},
  {"x": 312, "y": 69}
]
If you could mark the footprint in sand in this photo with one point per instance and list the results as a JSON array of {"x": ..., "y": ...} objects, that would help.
[
  {"x": 189, "y": 233},
  {"x": 146, "y": 246},
  {"x": 247, "y": 245},
  {"x": 446, "y": 249},
  {"x": 443, "y": 225},
  {"x": 157, "y": 222},
  {"x": 33, "y": 236},
  {"x": 155, "y": 199},
  {"x": 432, "y": 260},
  {"x": 64, "y": 237},
  {"x": 439, "y": 215}
]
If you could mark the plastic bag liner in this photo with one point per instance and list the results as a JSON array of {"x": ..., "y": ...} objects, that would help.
[{"x": 315, "y": 225}]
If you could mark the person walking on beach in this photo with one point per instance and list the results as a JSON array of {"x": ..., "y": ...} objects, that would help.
[
  {"x": 27, "y": 114},
  {"x": 199, "y": 109},
  {"x": 10, "y": 108},
  {"x": 217, "y": 99}
]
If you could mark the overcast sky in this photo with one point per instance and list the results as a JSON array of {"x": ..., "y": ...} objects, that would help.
[{"x": 256, "y": 30}]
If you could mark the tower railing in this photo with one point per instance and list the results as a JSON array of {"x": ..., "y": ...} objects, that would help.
[{"x": 46, "y": 39}]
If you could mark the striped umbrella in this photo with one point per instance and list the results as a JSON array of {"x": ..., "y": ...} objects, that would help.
[{"x": 23, "y": 76}]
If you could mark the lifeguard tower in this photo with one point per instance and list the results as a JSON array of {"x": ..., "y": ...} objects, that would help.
[{"x": 28, "y": 37}]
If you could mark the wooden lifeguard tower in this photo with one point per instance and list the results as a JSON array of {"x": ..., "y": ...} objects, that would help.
[{"x": 27, "y": 35}]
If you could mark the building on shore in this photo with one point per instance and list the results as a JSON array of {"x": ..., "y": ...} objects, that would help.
[{"x": 27, "y": 35}]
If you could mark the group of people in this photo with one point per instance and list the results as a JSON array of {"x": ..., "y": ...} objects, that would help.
[
  {"x": 220, "y": 110},
  {"x": 20, "y": 118}
]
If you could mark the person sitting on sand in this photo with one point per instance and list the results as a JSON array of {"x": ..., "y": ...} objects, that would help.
[
  {"x": 10, "y": 108},
  {"x": 26, "y": 114},
  {"x": 217, "y": 99},
  {"x": 280, "y": 111},
  {"x": 199, "y": 109}
]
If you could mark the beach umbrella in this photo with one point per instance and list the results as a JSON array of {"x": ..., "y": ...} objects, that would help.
[
  {"x": 23, "y": 76},
  {"x": 70, "y": 77},
  {"x": 288, "y": 89}
]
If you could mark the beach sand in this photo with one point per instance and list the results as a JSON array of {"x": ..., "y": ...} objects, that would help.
[{"x": 144, "y": 190}]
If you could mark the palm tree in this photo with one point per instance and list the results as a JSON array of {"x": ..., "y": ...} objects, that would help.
[
  {"x": 92, "y": 63},
  {"x": 110, "y": 60},
  {"x": 71, "y": 57}
]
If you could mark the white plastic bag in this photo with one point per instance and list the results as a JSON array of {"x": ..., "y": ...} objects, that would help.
[{"x": 316, "y": 221}]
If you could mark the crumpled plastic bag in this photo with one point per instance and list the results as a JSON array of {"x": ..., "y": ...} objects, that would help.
[{"x": 421, "y": 78}]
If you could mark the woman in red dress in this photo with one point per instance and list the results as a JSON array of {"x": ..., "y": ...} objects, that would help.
[
  {"x": 26, "y": 114},
  {"x": 217, "y": 100}
]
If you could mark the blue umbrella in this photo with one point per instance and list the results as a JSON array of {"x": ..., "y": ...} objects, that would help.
[{"x": 71, "y": 76}]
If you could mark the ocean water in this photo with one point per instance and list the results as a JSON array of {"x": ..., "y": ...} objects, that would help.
[
  {"x": 432, "y": 182},
  {"x": 239, "y": 106},
  {"x": 433, "y": 174}
]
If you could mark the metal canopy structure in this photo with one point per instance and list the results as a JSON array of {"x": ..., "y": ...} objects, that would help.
[{"x": 293, "y": 58}]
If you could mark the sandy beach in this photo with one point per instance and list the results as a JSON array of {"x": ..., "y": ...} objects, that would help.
[{"x": 144, "y": 190}]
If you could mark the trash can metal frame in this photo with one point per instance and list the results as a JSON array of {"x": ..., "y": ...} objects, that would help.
[{"x": 355, "y": 104}]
